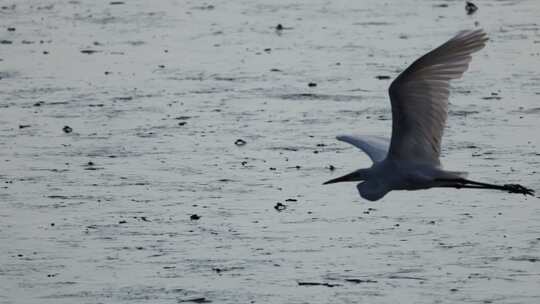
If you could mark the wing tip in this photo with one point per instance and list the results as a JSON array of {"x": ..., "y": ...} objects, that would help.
[
  {"x": 341, "y": 137},
  {"x": 472, "y": 34}
]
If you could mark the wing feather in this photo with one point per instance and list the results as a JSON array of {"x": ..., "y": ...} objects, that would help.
[
  {"x": 419, "y": 97},
  {"x": 375, "y": 147}
]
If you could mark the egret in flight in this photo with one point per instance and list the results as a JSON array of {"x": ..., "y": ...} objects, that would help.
[{"x": 419, "y": 98}]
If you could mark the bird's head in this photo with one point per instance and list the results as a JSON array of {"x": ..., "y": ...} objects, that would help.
[{"x": 355, "y": 176}]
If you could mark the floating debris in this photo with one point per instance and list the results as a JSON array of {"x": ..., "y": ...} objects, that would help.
[
  {"x": 317, "y": 284},
  {"x": 382, "y": 77},
  {"x": 280, "y": 207},
  {"x": 358, "y": 281},
  {"x": 312, "y": 84},
  {"x": 89, "y": 52},
  {"x": 195, "y": 217},
  {"x": 195, "y": 300},
  {"x": 471, "y": 8},
  {"x": 240, "y": 142},
  {"x": 67, "y": 129},
  {"x": 123, "y": 98},
  {"x": 24, "y": 126}
]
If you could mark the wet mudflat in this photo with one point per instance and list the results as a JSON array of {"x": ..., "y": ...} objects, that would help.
[{"x": 173, "y": 152}]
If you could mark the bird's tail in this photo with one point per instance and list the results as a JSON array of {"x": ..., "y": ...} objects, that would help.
[{"x": 456, "y": 174}]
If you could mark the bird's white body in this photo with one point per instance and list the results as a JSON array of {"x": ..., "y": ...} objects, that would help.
[
  {"x": 387, "y": 174},
  {"x": 419, "y": 99}
]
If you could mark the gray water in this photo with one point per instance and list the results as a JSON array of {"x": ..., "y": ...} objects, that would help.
[{"x": 156, "y": 94}]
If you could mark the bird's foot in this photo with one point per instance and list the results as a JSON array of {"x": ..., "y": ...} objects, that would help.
[{"x": 516, "y": 188}]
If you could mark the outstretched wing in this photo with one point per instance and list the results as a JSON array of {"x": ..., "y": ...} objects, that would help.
[
  {"x": 419, "y": 97},
  {"x": 374, "y": 146}
]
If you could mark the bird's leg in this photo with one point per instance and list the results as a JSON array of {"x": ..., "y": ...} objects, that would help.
[{"x": 465, "y": 183}]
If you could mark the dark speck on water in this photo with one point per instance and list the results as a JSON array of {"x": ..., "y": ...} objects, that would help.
[
  {"x": 194, "y": 217},
  {"x": 471, "y": 8},
  {"x": 195, "y": 300},
  {"x": 240, "y": 142},
  {"x": 358, "y": 281},
  {"x": 67, "y": 129},
  {"x": 317, "y": 284},
  {"x": 89, "y": 52},
  {"x": 280, "y": 207},
  {"x": 312, "y": 84},
  {"x": 382, "y": 77}
]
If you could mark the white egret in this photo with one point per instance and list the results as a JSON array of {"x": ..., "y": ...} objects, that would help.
[{"x": 419, "y": 99}]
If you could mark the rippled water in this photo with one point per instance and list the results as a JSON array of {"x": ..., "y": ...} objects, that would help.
[{"x": 157, "y": 93}]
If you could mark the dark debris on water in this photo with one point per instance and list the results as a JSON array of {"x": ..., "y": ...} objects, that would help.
[
  {"x": 359, "y": 281},
  {"x": 240, "y": 142},
  {"x": 195, "y": 300},
  {"x": 89, "y": 52},
  {"x": 280, "y": 207},
  {"x": 317, "y": 284},
  {"x": 471, "y": 8}
]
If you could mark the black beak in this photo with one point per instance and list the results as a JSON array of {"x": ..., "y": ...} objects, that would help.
[{"x": 351, "y": 177}]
